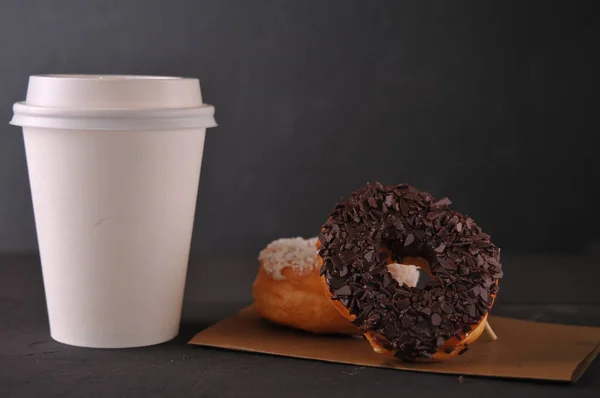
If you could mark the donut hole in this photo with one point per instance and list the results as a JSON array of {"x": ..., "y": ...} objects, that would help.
[
  {"x": 414, "y": 271},
  {"x": 416, "y": 253}
]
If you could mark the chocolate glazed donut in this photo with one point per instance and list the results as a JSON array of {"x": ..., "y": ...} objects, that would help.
[{"x": 382, "y": 224}]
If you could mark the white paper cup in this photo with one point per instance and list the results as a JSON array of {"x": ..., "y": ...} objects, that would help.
[{"x": 114, "y": 165}]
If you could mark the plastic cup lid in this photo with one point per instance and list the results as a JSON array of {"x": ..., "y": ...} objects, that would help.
[{"x": 105, "y": 102}]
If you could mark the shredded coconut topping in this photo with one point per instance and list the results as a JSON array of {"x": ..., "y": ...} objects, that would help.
[{"x": 298, "y": 253}]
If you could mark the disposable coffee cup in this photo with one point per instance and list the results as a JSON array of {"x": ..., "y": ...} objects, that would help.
[{"x": 114, "y": 166}]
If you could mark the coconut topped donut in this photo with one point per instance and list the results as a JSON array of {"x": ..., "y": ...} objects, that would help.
[{"x": 379, "y": 225}]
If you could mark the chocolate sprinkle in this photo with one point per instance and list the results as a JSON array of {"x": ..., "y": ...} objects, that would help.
[{"x": 356, "y": 242}]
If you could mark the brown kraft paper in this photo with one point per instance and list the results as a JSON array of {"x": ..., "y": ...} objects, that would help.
[{"x": 524, "y": 349}]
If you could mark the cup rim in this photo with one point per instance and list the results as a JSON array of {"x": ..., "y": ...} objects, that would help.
[{"x": 26, "y": 115}]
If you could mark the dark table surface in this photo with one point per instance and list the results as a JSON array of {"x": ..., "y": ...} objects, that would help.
[{"x": 554, "y": 288}]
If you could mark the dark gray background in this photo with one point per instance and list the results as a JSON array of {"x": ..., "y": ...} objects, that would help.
[
  {"x": 493, "y": 104},
  {"x": 490, "y": 104}
]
